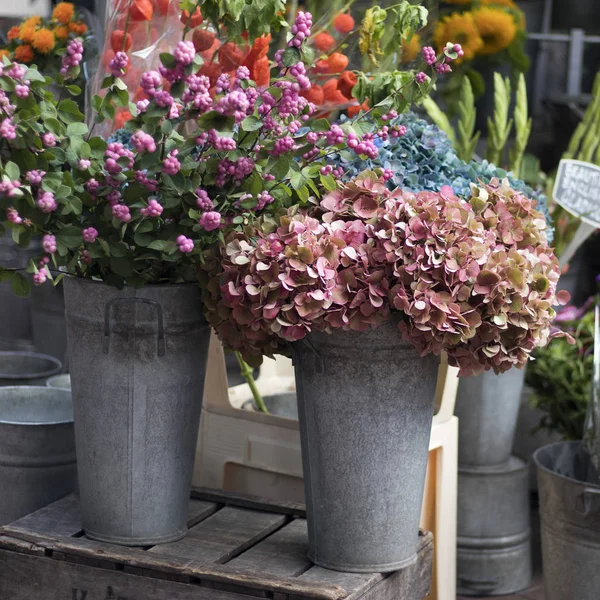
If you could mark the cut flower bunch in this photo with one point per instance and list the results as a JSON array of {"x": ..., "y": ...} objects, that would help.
[
  {"x": 473, "y": 277},
  {"x": 204, "y": 159}
]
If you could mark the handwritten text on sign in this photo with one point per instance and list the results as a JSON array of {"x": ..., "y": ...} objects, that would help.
[{"x": 577, "y": 189}]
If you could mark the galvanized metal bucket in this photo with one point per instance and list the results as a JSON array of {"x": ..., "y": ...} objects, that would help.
[
  {"x": 570, "y": 515},
  {"x": 494, "y": 535},
  {"x": 27, "y": 368},
  {"x": 365, "y": 403},
  {"x": 48, "y": 320},
  {"x": 487, "y": 407},
  {"x": 37, "y": 449},
  {"x": 137, "y": 361},
  {"x": 61, "y": 382}
]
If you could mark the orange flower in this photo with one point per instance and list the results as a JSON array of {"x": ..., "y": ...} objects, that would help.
[
  {"x": 61, "y": 32},
  {"x": 331, "y": 93},
  {"x": 324, "y": 42},
  {"x": 343, "y": 23},
  {"x": 196, "y": 19},
  {"x": 121, "y": 118},
  {"x": 43, "y": 40},
  {"x": 13, "y": 33},
  {"x": 337, "y": 62},
  {"x": 119, "y": 41},
  {"x": 203, "y": 39},
  {"x": 63, "y": 12},
  {"x": 355, "y": 109},
  {"x": 24, "y": 54},
  {"x": 78, "y": 28},
  {"x": 260, "y": 71},
  {"x": 321, "y": 67},
  {"x": 230, "y": 56},
  {"x": 346, "y": 81},
  {"x": 28, "y": 27},
  {"x": 141, "y": 10},
  {"x": 315, "y": 94},
  {"x": 4, "y": 52}
]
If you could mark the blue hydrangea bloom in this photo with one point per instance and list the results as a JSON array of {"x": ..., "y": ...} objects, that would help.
[{"x": 424, "y": 159}]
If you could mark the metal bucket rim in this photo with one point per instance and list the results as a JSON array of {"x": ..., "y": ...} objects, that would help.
[
  {"x": 542, "y": 467},
  {"x": 39, "y": 423},
  {"x": 57, "y": 387},
  {"x": 72, "y": 277},
  {"x": 48, "y": 373}
]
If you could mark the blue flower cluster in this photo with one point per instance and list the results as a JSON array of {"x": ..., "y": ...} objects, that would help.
[{"x": 424, "y": 159}]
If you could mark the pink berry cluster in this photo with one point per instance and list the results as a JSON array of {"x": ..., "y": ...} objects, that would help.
[{"x": 73, "y": 56}]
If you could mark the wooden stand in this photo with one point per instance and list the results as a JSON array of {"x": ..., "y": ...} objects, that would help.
[{"x": 238, "y": 548}]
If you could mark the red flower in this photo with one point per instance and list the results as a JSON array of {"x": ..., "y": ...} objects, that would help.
[{"x": 120, "y": 41}]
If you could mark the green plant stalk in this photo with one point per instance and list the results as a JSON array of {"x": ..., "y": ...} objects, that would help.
[
  {"x": 522, "y": 127},
  {"x": 246, "y": 371},
  {"x": 439, "y": 118},
  {"x": 500, "y": 126},
  {"x": 467, "y": 114},
  {"x": 585, "y": 123},
  {"x": 590, "y": 139}
]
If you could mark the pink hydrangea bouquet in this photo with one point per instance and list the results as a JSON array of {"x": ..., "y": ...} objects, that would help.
[
  {"x": 473, "y": 277},
  {"x": 202, "y": 159}
]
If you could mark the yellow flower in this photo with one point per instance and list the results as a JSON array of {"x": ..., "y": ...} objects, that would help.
[
  {"x": 457, "y": 1},
  {"x": 24, "y": 54},
  {"x": 28, "y": 27},
  {"x": 497, "y": 29},
  {"x": 517, "y": 13},
  {"x": 4, "y": 52},
  {"x": 61, "y": 32},
  {"x": 411, "y": 49},
  {"x": 458, "y": 28},
  {"x": 43, "y": 40},
  {"x": 63, "y": 12}
]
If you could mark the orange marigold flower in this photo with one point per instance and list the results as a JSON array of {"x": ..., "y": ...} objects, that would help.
[
  {"x": 196, "y": 19},
  {"x": 260, "y": 71},
  {"x": 27, "y": 29},
  {"x": 331, "y": 93},
  {"x": 344, "y": 23},
  {"x": 203, "y": 39},
  {"x": 43, "y": 40},
  {"x": 24, "y": 54},
  {"x": 346, "y": 81},
  {"x": 78, "y": 28},
  {"x": 4, "y": 52},
  {"x": 63, "y": 12},
  {"x": 315, "y": 94},
  {"x": 337, "y": 62},
  {"x": 355, "y": 109},
  {"x": 13, "y": 33},
  {"x": 324, "y": 42},
  {"x": 61, "y": 32}
]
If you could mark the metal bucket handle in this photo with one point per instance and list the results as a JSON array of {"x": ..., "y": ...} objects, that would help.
[
  {"x": 161, "y": 332},
  {"x": 590, "y": 499}
]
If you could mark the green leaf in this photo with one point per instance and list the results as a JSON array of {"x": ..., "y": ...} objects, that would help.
[
  {"x": 20, "y": 285},
  {"x": 167, "y": 60},
  {"x": 142, "y": 239},
  {"x": 160, "y": 245},
  {"x": 214, "y": 120},
  {"x": 121, "y": 266},
  {"x": 12, "y": 171},
  {"x": 291, "y": 55},
  {"x": 68, "y": 111},
  {"x": 70, "y": 236},
  {"x": 77, "y": 129},
  {"x": 251, "y": 123}
]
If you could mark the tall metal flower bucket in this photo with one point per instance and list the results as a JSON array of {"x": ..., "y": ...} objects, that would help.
[
  {"x": 37, "y": 449},
  {"x": 137, "y": 361},
  {"x": 365, "y": 403},
  {"x": 570, "y": 515}
]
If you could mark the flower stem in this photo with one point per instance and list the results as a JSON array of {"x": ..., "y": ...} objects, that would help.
[{"x": 246, "y": 371}]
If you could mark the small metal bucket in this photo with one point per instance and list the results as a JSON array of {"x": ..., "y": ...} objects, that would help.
[
  {"x": 570, "y": 515},
  {"x": 487, "y": 407},
  {"x": 60, "y": 382},
  {"x": 37, "y": 449},
  {"x": 365, "y": 402},
  {"x": 280, "y": 405},
  {"x": 137, "y": 362},
  {"x": 27, "y": 368}
]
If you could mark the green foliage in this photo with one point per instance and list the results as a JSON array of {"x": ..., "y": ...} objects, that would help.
[
  {"x": 500, "y": 125},
  {"x": 522, "y": 127},
  {"x": 467, "y": 137},
  {"x": 439, "y": 118},
  {"x": 561, "y": 377}
]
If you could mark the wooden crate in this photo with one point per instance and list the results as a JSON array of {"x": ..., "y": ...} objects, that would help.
[{"x": 238, "y": 548}]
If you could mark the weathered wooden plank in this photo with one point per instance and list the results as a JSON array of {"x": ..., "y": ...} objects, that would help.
[
  {"x": 198, "y": 510},
  {"x": 222, "y": 536},
  {"x": 59, "y": 519},
  {"x": 153, "y": 565},
  {"x": 283, "y": 553},
  {"x": 283, "y": 507},
  {"x": 352, "y": 583}
]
